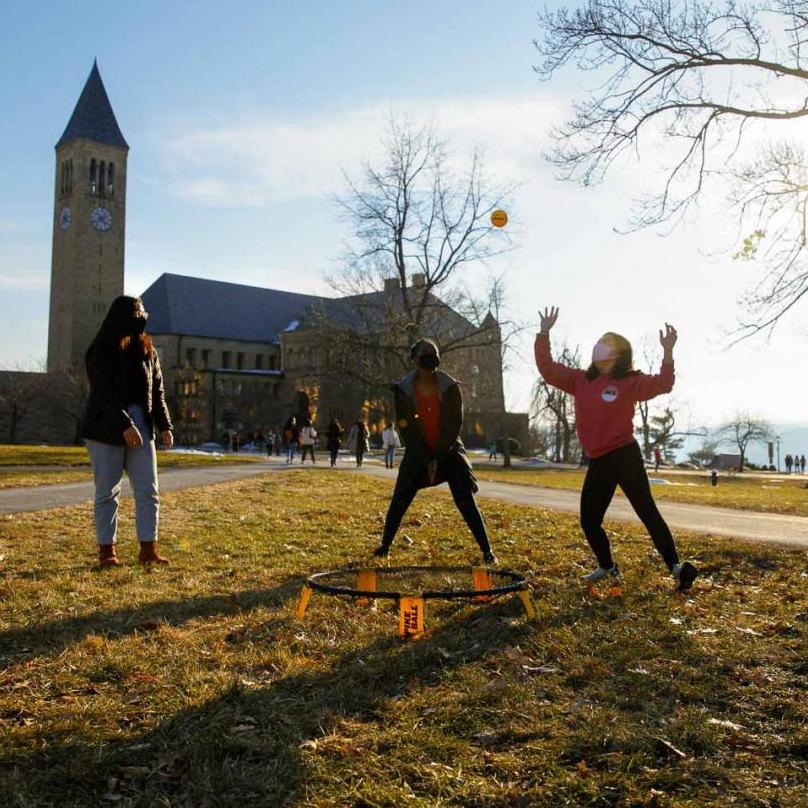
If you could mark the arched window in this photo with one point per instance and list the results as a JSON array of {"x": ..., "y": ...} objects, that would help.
[
  {"x": 102, "y": 179},
  {"x": 63, "y": 179},
  {"x": 70, "y": 175},
  {"x": 110, "y": 179},
  {"x": 93, "y": 177}
]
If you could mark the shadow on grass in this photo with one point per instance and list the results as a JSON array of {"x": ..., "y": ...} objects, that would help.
[
  {"x": 49, "y": 638},
  {"x": 248, "y": 746}
]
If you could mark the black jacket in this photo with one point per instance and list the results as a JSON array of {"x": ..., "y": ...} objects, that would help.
[
  {"x": 111, "y": 384},
  {"x": 450, "y": 454}
]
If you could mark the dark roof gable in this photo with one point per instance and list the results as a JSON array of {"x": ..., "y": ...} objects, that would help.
[{"x": 93, "y": 117}]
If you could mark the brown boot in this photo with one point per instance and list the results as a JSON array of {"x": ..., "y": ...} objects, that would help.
[
  {"x": 107, "y": 556},
  {"x": 149, "y": 554}
]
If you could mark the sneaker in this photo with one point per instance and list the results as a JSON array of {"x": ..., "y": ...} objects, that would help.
[
  {"x": 381, "y": 551},
  {"x": 490, "y": 558},
  {"x": 602, "y": 572},
  {"x": 684, "y": 575}
]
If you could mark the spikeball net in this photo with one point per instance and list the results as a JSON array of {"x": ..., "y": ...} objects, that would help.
[{"x": 411, "y": 587}]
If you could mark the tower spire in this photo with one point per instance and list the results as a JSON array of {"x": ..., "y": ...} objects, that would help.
[{"x": 93, "y": 117}]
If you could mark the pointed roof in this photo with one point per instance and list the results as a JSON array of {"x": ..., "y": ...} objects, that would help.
[{"x": 93, "y": 117}]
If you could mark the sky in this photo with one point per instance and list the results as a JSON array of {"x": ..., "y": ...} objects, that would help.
[{"x": 242, "y": 120}]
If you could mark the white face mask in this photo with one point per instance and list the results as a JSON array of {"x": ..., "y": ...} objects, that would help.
[{"x": 603, "y": 352}]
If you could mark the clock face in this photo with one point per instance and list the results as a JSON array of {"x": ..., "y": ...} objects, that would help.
[
  {"x": 65, "y": 217},
  {"x": 101, "y": 218}
]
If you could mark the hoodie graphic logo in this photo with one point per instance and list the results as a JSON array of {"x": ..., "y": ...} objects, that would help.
[{"x": 609, "y": 394}]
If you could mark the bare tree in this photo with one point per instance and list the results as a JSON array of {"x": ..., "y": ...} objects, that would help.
[
  {"x": 19, "y": 391},
  {"x": 663, "y": 434},
  {"x": 557, "y": 409},
  {"x": 70, "y": 388},
  {"x": 709, "y": 77},
  {"x": 744, "y": 429},
  {"x": 417, "y": 226},
  {"x": 705, "y": 454}
]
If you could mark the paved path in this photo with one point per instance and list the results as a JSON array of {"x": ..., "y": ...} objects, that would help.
[{"x": 748, "y": 525}]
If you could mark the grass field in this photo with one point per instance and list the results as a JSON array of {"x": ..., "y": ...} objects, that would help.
[
  {"x": 744, "y": 493},
  {"x": 22, "y": 466},
  {"x": 194, "y": 686}
]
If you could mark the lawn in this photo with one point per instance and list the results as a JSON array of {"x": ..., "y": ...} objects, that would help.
[
  {"x": 22, "y": 466},
  {"x": 193, "y": 685},
  {"x": 743, "y": 493}
]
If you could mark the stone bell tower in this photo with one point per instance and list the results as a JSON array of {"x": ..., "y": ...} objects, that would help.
[{"x": 89, "y": 218}]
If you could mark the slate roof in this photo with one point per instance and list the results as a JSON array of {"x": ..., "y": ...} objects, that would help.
[{"x": 93, "y": 117}]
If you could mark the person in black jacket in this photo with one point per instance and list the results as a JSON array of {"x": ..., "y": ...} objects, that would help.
[
  {"x": 125, "y": 407},
  {"x": 429, "y": 411}
]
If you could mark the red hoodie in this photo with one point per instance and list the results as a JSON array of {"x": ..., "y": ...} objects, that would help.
[{"x": 604, "y": 407}]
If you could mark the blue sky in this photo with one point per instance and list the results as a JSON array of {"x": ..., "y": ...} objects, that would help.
[{"x": 241, "y": 118}]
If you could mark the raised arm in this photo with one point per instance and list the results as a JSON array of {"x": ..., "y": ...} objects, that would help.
[
  {"x": 651, "y": 385},
  {"x": 552, "y": 372}
]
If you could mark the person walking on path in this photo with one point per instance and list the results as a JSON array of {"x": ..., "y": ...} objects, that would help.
[
  {"x": 291, "y": 436},
  {"x": 308, "y": 437},
  {"x": 789, "y": 463},
  {"x": 125, "y": 407},
  {"x": 358, "y": 441},
  {"x": 802, "y": 464},
  {"x": 429, "y": 413},
  {"x": 492, "y": 450},
  {"x": 333, "y": 438},
  {"x": 605, "y": 398},
  {"x": 657, "y": 458},
  {"x": 391, "y": 442}
]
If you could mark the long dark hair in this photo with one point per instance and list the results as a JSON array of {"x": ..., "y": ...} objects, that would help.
[
  {"x": 115, "y": 332},
  {"x": 623, "y": 365}
]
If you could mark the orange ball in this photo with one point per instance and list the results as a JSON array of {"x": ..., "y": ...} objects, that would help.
[{"x": 499, "y": 218}]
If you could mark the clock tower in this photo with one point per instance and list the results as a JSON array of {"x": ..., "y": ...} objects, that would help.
[{"x": 89, "y": 217}]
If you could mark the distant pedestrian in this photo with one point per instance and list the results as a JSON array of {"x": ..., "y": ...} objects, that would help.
[
  {"x": 226, "y": 441},
  {"x": 269, "y": 440},
  {"x": 390, "y": 442},
  {"x": 308, "y": 438},
  {"x": 234, "y": 442},
  {"x": 358, "y": 441},
  {"x": 125, "y": 408},
  {"x": 492, "y": 450},
  {"x": 802, "y": 464},
  {"x": 789, "y": 463},
  {"x": 333, "y": 437},
  {"x": 605, "y": 398},
  {"x": 657, "y": 458},
  {"x": 290, "y": 438}
]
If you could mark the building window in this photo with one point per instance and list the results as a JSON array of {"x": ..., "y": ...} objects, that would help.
[
  {"x": 225, "y": 359},
  {"x": 272, "y": 362},
  {"x": 110, "y": 179},
  {"x": 205, "y": 358},
  {"x": 93, "y": 176},
  {"x": 70, "y": 175},
  {"x": 259, "y": 361},
  {"x": 240, "y": 360},
  {"x": 190, "y": 357},
  {"x": 102, "y": 177}
]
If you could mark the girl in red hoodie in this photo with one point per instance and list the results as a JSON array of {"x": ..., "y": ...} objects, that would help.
[{"x": 605, "y": 397}]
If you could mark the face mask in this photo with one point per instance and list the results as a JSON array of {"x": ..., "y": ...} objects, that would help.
[
  {"x": 428, "y": 361},
  {"x": 137, "y": 325},
  {"x": 603, "y": 352}
]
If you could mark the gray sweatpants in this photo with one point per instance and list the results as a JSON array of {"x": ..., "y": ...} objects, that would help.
[{"x": 108, "y": 462}]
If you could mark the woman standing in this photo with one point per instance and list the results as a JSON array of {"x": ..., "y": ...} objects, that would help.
[
  {"x": 429, "y": 410},
  {"x": 308, "y": 437},
  {"x": 333, "y": 437},
  {"x": 125, "y": 405},
  {"x": 358, "y": 441},
  {"x": 605, "y": 397}
]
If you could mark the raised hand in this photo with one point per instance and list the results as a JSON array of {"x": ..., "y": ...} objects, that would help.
[
  {"x": 668, "y": 339},
  {"x": 547, "y": 319}
]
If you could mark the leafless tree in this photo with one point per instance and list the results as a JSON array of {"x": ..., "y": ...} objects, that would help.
[
  {"x": 744, "y": 429},
  {"x": 557, "y": 410},
  {"x": 663, "y": 434},
  {"x": 710, "y": 77},
  {"x": 417, "y": 226},
  {"x": 19, "y": 391}
]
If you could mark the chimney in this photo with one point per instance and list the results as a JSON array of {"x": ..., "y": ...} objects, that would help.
[
  {"x": 418, "y": 280},
  {"x": 391, "y": 284}
]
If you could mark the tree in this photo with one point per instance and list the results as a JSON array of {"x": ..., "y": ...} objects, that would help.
[
  {"x": 70, "y": 388},
  {"x": 662, "y": 433},
  {"x": 557, "y": 409},
  {"x": 705, "y": 454},
  {"x": 707, "y": 76},
  {"x": 744, "y": 429},
  {"x": 417, "y": 226}
]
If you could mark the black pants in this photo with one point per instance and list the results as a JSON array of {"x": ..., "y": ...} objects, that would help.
[
  {"x": 623, "y": 467},
  {"x": 333, "y": 451},
  {"x": 403, "y": 495},
  {"x": 307, "y": 447}
]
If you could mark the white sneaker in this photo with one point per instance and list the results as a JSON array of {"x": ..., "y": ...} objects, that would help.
[{"x": 601, "y": 572}]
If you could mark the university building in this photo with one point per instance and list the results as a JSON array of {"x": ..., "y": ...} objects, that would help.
[{"x": 235, "y": 357}]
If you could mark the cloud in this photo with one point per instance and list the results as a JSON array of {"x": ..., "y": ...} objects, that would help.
[{"x": 269, "y": 159}]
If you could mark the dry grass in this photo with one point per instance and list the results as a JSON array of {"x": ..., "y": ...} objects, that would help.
[
  {"x": 742, "y": 493},
  {"x": 193, "y": 685}
]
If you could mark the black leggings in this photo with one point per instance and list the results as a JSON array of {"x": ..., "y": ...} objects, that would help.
[
  {"x": 623, "y": 467},
  {"x": 403, "y": 496}
]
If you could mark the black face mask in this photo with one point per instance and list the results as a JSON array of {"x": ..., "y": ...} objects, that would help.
[
  {"x": 428, "y": 361},
  {"x": 137, "y": 325}
]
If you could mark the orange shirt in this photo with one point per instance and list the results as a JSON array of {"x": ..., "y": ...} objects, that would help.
[{"x": 429, "y": 416}]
